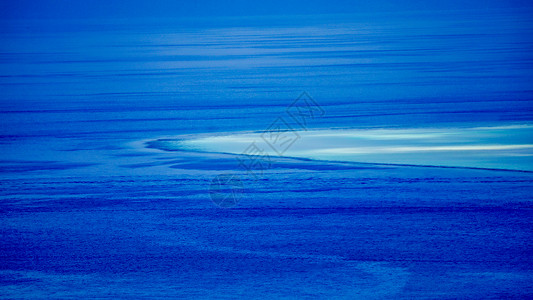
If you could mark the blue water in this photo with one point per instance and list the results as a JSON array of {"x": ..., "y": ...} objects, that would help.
[{"x": 90, "y": 207}]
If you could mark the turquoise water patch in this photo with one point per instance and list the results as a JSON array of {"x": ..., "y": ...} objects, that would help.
[{"x": 501, "y": 147}]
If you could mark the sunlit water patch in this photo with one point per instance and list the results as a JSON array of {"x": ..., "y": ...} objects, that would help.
[{"x": 503, "y": 147}]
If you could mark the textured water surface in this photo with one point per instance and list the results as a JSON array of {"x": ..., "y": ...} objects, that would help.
[{"x": 90, "y": 206}]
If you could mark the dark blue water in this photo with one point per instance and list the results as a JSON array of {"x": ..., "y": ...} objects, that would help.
[{"x": 88, "y": 210}]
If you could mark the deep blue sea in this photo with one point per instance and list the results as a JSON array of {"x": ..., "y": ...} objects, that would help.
[{"x": 413, "y": 180}]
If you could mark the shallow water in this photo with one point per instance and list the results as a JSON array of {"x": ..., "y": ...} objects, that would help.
[
  {"x": 486, "y": 147},
  {"x": 88, "y": 209}
]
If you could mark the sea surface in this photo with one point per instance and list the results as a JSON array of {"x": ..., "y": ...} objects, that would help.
[{"x": 413, "y": 179}]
